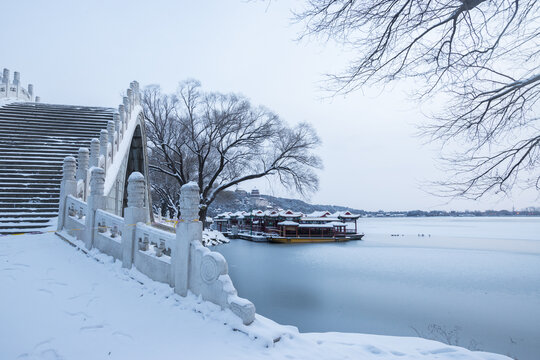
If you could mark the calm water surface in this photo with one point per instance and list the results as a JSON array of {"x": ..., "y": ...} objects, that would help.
[{"x": 474, "y": 282}]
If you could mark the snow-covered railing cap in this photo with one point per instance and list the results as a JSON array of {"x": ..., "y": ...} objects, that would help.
[
  {"x": 189, "y": 201},
  {"x": 69, "y": 168},
  {"x": 136, "y": 190}
]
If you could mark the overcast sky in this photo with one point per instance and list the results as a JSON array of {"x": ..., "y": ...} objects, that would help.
[{"x": 86, "y": 53}]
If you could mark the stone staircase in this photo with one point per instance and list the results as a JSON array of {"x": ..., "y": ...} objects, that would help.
[{"x": 34, "y": 139}]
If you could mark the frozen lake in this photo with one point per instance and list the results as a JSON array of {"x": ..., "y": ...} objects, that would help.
[{"x": 474, "y": 282}]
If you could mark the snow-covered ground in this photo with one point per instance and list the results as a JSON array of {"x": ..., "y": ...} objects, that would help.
[{"x": 58, "y": 303}]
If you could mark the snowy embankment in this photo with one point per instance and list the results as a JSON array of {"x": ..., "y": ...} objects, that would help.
[{"x": 59, "y": 303}]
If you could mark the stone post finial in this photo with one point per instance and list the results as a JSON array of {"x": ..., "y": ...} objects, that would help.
[
  {"x": 5, "y": 76},
  {"x": 16, "y": 78},
  {"x": 82, "y": 159},
  {"x": 189, "y": 202},
  {"x": 136, "y": 190},
  {"x": 136, "y": 92},
  {"x": 38, "y": 99},
  {"x": 122, "y": 114},
  {"x": 110, "y": 130},
  {"x": 31, "y": 90},
  {"x": 103, "y": 138},
  {"x": 69, "y": 167},
  {"x": 97, "y": 181},
  {"x": 116, "y": 119},
  {"x": 103, "y": 145},
  {"x": 94, "y": 152},
  {"x": 127, "y": 108}
]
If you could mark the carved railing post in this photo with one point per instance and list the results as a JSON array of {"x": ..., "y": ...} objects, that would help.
[
  {"x": 189, "y": 228},
  {"x": 94, "y": 153},
  {"x": 96, "y": 200},
  {"x": 82, "y": 169},
  {"x": 135, "y": 212},
  {"x": 137, "y": 92},
  {"x": 68, "y": 186},
  {"x": 127, "y": 108},
  {"x": 103, "y": 146},
  {"x": 5, "y": 77},
  {"x": 130, "y": 97},
  {"x": 122, "y": 114},
  {"x": 116, "y": 118},
  {"x": 16, "y": 78},
  {"x": 110, "y": 130}
]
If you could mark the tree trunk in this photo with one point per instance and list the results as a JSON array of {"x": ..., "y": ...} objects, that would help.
[{"x": 202, "y": 214}]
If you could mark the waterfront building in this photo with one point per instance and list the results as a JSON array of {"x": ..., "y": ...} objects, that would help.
[{"x": 288, "y": 223}]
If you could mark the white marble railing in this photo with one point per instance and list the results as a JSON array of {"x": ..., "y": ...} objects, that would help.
[{"x": 179, "y": 260}]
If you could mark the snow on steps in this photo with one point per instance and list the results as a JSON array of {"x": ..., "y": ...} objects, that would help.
[{"x": 34, "y": 139}]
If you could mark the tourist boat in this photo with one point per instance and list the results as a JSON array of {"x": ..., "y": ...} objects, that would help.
[{"x": 289, "y": 226}]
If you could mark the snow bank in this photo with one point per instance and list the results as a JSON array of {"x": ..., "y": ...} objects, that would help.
[{"x": 59, "y": 303}]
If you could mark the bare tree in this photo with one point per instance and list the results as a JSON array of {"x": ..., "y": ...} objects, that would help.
[
  {"x": 480, "y": 58},
  {"x": 220, "y": 140}
]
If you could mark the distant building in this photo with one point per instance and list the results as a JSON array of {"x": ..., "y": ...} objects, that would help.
[
  {"x": 241, "y": 192},
  {"x": 255, "y": 192}
]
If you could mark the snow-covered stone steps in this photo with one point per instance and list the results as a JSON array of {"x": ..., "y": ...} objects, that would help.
[
  {"x": 35, "y": 194},
  {"x": 77, "y": 124},
  {"x": 29, "y": 130},
  {"x": 43, "y": 186},
  {"x": 26, "y": 177},
  {"x": 10, "y": 209},
  {"x": 34, "y": 140}
]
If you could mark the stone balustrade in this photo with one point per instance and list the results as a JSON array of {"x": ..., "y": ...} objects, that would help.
[
  {"x": 14, "y": 89},
  {"x": 179, "y": 260}
]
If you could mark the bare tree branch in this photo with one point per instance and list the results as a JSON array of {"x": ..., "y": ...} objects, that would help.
[
  {"x": 480, "y": 58},
  {"x": 220, "y": 140}
]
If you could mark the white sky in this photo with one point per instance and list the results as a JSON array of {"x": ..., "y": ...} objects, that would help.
[{"x": 87, "y": 53}]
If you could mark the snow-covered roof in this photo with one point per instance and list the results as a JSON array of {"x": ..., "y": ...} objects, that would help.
[
  {"x": 290, "y": 213},
  {"x": 325, "y": 219},
  {"x": 288, "y": 223},
  {"x": 345, "y": 215},
  {"x": 317, "y": 214},
  {"x": 325, "y": 226}
]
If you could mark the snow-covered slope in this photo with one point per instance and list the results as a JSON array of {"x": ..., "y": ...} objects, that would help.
[
  {"x": 34, "y": 139},
  {"x": 58, "y": 303}
]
